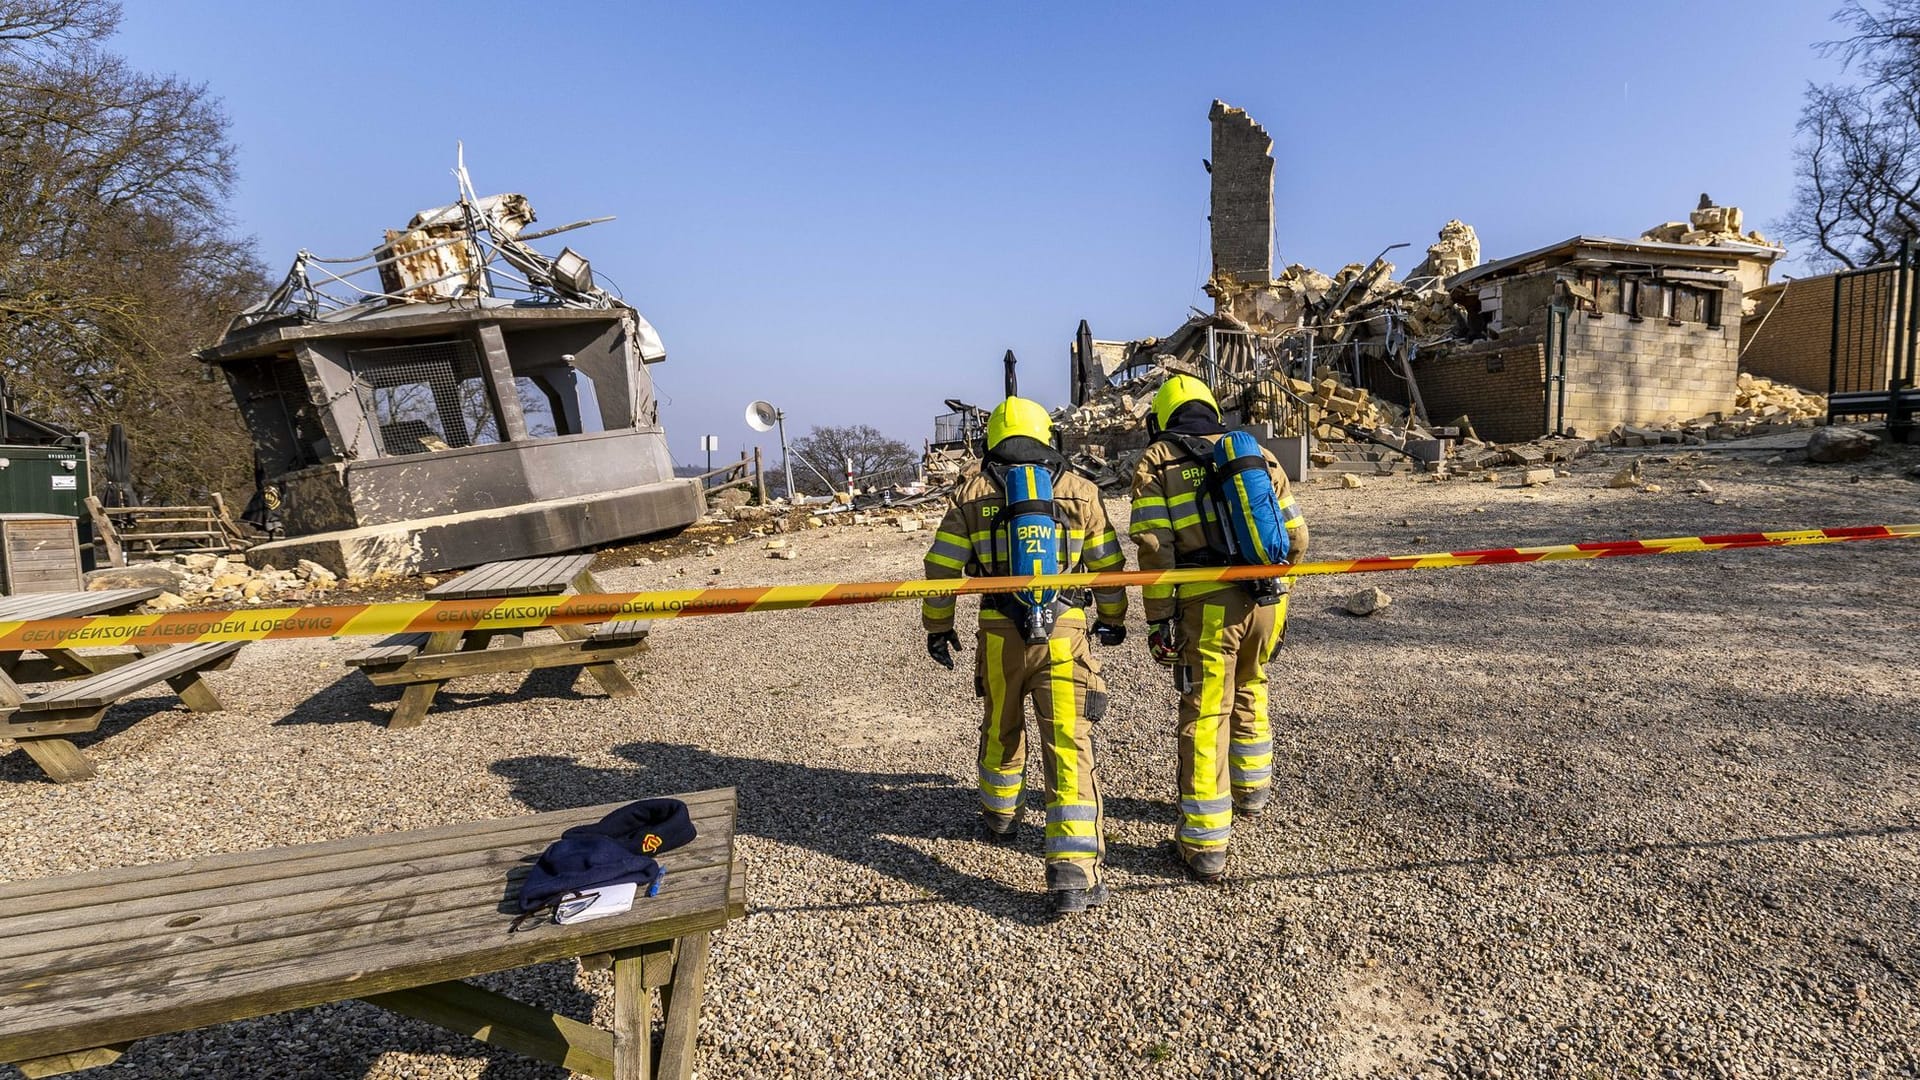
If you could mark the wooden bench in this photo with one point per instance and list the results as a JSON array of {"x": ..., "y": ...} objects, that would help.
[
  {"x": 422, "y": 663},
  {"x": 97, "y": 681},
  {"x": 92, "y": 962}
]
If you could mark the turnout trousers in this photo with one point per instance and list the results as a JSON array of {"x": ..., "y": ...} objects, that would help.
[
  {"x": 1063, "y": 681},
  {"x": 1226, "y": 737}
]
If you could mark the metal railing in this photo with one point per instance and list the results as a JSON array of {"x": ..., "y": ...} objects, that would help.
[{"x": 1874, "y": 345}]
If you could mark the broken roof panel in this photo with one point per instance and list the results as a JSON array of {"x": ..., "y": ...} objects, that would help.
[{"x": 1726, "y": 254}]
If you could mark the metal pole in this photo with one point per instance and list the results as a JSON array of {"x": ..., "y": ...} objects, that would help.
[
  {"x": 1546, "y": 405},
  {"x": 1896, "y": 362},
  {"x": 1901, "y": 358},
  {"x": 1833, "y": 348},
  {"x": 1560, "y": 425},
  {"x": 786, "y": 455}
]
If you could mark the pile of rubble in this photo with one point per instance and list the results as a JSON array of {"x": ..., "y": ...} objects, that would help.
[
  {"x": 1706, "y": 226},
  {"x": 191, "y": 580},
  {"x": 1117, "y": 408},
  {"x": 1762, "y": 407},
  {"x": 1362, "y": 302}
]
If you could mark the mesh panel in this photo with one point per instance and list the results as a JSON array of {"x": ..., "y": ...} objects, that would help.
[
  {"x": 952, "y": 428},
  {"x": 424, "y": 397}
]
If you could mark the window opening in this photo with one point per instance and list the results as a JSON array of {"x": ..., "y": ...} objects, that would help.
[{"x": 424, "y": 397}]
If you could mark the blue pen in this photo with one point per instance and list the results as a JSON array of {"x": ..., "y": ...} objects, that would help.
[{"x": 654, "y": 889}]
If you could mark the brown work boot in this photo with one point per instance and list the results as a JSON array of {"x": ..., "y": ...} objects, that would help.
[
  {"x": 1251, "y": 803},
  {"x": 1206, "y": 867},
  {"x": 995, "y": 829},
  {"x": 1075, "y": 901}
]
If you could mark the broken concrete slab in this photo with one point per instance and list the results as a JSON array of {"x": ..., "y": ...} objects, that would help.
[{"x": 450, "y": 541}]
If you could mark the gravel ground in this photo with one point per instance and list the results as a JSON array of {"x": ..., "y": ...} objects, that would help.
[{"x": 1646, "y": 817}]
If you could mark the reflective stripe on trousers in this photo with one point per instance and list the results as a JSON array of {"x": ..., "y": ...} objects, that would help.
[
  {"x": 1226, "y": 738},
  {"x": 1057, "y": 676}
]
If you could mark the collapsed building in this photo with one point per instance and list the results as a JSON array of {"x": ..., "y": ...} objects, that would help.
[
  {"x": 452, "y": 398},
  {"x": 1595, "y": 337}
]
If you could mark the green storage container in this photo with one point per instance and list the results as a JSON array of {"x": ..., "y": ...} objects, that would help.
[{"x": 48, "y": 480}]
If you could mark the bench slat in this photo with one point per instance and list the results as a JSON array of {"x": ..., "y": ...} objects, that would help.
[
  {"x": 101, "y": 887},
  {"x": 521, "y": 577},
  {"x": 622, "y": 630},
  {"x": 440, "y": 667},
  {"x": 111, "y": 686},
  {"x": 73, "y": 604},
  {"x": 298, "y": 960},
  {"x": 397, "y": 649}
]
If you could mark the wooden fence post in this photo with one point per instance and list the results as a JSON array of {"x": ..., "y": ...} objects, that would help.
[
  {"x": 759, "y": 478},
  {"x": 103, "y": 528}
]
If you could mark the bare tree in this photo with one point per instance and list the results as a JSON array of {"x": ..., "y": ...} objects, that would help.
[
  {"x": 876, "y": 458},
  {"x": 1858, "y": 163},
  {"x": 116, "y": 260}
]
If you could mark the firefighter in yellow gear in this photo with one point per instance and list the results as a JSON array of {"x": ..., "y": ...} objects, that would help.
[
  {"x": 1218, "y": 636},
  {"x": 1058, "y": 673}
]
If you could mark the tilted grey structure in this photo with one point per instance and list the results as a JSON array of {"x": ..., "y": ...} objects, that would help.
[{"x": 484, "y": 402}]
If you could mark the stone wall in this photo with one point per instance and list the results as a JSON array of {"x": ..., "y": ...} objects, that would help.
[
  {"x": 1622, "y": 370},
  {"x": 1242, "y": 205}
]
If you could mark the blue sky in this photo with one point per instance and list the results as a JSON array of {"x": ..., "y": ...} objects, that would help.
[{"x": 853, "y": 210}]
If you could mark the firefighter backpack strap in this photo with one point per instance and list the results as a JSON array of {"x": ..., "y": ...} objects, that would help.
[{"x": 1252, "y": 505}]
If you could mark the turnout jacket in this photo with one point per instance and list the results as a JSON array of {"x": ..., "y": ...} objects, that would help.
[
  {"x": 971, "y": 543},
  {"x": 1170, "y": 523}
]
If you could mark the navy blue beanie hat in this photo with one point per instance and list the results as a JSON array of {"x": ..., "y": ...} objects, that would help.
[
  {"x": 647, "y": 827},
  {"x": 580, "y": 864}
]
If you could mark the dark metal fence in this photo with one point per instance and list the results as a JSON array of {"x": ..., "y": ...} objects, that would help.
[{"x": 1875, "y": 344}]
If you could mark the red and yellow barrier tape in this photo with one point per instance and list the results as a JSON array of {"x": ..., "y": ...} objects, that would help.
[{"x": 181, "y": 627}]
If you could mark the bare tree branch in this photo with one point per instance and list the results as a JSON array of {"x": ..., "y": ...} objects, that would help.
[
  {"x": 116, "y": 260},
  {"x": 1858, "y": 164}
]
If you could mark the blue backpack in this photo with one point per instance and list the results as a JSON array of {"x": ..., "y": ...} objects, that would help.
[
  {"x": 1240, "y": 496},
  {"x": 1034, "y": 539}
]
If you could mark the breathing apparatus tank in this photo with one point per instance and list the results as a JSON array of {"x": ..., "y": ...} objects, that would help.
[{"x": 1033, "y": 544}]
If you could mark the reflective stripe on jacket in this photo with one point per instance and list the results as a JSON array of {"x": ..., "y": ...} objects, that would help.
[
  {"x": 1170, "y": 521},
  {"x": 968, "y": 543}
]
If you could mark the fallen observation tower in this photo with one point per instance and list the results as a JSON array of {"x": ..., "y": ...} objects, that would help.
[{"x": 453, "y": 397}]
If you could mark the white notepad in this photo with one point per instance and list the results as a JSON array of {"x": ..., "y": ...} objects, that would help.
[{"x": 611, "y": 900}]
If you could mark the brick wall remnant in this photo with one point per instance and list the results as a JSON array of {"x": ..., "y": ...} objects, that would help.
[
  {"x": 1242, "y": 204},
  {"x": 1502, "y": 389}
]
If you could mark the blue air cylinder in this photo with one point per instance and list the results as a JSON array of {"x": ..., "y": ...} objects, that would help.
[{"x": 1034, "y": 544}]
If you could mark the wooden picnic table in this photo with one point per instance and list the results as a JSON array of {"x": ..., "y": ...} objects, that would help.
[
  {"x": 91, "y": 962},
  {"x": 89, "y": 683},
  {"x": 424, "y": 662}
]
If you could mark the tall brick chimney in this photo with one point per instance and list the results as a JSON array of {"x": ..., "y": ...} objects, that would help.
[{"x": 1242, "y": 209}]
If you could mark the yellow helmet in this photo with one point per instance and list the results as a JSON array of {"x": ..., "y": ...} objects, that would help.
[
  {"x": 1176, "y": 392},
  {"x": 1018, "y": 416}
]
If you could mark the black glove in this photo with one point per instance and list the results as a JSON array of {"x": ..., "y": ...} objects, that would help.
[
  {"x": 1109, "y": 633},
  {"x": 940, "y": 646},
  {"x": 1162, "y": 642}
]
